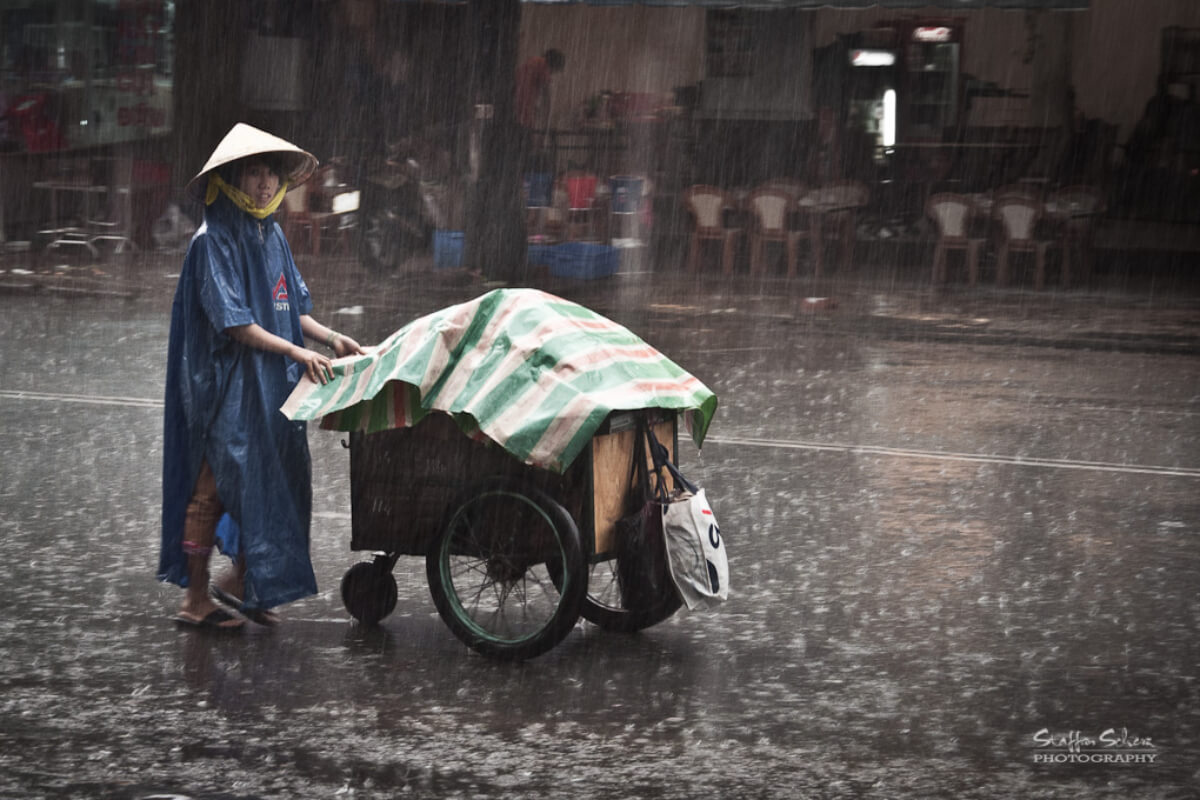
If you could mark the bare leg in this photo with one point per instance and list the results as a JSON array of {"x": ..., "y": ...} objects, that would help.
[{"x": 199, "y": 535}]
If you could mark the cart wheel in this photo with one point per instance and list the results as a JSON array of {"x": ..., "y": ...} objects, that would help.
[
  {"x": 507, "y": 573},
  {"x": 608, "y": 607},
  {"x": 369, "y": 591}
]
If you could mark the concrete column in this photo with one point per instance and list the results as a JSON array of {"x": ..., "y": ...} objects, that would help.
[
  {"x": 495, "y": 225},
  {"x": 1050, "y": 53}
]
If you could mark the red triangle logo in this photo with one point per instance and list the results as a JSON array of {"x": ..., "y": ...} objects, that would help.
[{"x": 280, "y": 292}]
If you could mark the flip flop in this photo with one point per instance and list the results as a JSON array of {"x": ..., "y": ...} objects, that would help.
[
  {"x": 259, "y": 616},
  {"x": 217, "y": 620}
]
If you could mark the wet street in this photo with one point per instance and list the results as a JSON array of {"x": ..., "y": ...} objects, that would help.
[{"x": 964, "y": 537}]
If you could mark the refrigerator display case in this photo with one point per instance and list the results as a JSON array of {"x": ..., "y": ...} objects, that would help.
[{"x": 930, "y": 59}]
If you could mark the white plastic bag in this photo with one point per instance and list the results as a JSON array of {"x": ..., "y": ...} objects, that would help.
[
  {"x": 695, "y": 551},
  {"x": 691, "y": 536}
]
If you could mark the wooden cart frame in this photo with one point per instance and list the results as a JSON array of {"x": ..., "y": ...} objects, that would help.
[{"x": 514, "y": 554}]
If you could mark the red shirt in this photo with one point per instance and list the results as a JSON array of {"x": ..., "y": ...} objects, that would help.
[{"x": 533, "y": 77}]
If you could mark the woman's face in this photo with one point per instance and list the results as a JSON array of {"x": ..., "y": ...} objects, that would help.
[{"x": 260, "y": 182}]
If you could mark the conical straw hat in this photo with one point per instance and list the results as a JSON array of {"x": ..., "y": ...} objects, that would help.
[{"x": 246, "y": 140}]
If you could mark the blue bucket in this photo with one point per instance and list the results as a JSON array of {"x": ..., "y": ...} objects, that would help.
[
  {"x": 626, "y": 193},
  {"x": 538, "y": 189},
  {"x": 447, "y": 249},
  {"x": 583, "y": 260}
]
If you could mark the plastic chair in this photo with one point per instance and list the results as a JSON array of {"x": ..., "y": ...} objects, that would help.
[
  {"x": 1018, "y": 216},
  {"x": 951, "y": 215},
  {"x": 1076, "y": 208},
  {"x": 581, "y": 205},
  {"x": 770, "y": 209},
  {"x": 708, "y": 206}
]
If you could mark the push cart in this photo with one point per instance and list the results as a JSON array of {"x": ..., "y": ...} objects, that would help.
[{"x": 490, "y": 439}]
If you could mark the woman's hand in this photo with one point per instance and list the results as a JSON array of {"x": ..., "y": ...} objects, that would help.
[
  {"x": 318, "y": 368},
  {"x": 339, "y": 343},
  {"x": 343, "y": 346}
]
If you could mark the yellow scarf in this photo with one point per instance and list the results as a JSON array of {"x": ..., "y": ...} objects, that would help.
[{"x": 240, "y": 198}]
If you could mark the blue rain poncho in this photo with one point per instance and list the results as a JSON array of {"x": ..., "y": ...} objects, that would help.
[{"x": 222, "y": 405}]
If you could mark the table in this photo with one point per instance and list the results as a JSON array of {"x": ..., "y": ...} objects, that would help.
[
  {"x": 1056, "y": 209},
  {"x": 929, "y": 165},
  {"x": 63, "y": 234},
  {"x": 826, "y": 203}
]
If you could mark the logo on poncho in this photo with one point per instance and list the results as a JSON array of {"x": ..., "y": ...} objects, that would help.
[{"x": 280, "y": 294}]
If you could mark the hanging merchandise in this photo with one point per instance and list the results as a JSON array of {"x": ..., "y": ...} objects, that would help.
[
  {"x": 695, "y": 551},
  {"x": 643, "y": 575}
]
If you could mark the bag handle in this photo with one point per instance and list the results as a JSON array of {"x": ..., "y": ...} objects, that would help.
[
  {"x": 658, "y": 491},
  {"x": 662, "y": 459},
  {"x": 637, "y": 469}
]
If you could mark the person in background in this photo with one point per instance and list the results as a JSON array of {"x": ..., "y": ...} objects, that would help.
[
  {"x": 236, "y": 472},
  {"x": 825, "y": 154},
  {"x": 532, "y": 101}
]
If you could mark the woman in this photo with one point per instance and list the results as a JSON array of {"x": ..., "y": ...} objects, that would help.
[{"x": 236, "y": 472}]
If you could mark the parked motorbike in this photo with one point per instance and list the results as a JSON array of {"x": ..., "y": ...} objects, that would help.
[
  {"x": 394, "y": 224},
  {"x": 405, "y": 197}
]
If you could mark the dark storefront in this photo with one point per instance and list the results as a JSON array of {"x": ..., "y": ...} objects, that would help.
[
  {"x": 87, "y": 90},
  {"x": 135, "y": 92}
]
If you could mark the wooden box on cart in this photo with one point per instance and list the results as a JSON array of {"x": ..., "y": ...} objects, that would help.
[{"x": 404, "y": 480}]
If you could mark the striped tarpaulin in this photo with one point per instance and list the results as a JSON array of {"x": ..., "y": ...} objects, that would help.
[{"x": 534, "y": 373}]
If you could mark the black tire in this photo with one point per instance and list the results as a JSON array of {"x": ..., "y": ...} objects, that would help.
[
  {"x": 608, "y": 607},
  {"x": 369, "y": 591},
  {"x": 507, "y": 572},
  {"x": 379, "y": 243}
]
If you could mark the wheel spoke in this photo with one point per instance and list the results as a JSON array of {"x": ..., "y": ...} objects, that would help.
[{"x": 603, "y": 587}]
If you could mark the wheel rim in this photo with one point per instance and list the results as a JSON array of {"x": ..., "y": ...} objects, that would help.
[
  {"x": 499, "y": 561},
  {"x": 604, "y": 587}
]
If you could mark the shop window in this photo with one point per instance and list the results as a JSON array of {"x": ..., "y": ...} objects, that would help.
[{"x": 85, "y": 74}]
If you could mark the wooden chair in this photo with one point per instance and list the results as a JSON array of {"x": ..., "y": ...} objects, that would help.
[
  {"x": 770, "y": 209},
  {"x": 708, "y": 206},
  {"x": 1075, "y": 209},
  {"x": 951, "y": 215},
  {"x": 1018, "y": 216},
  {"x": 300, "y": 218},
  {"x": 833, "y": 210}
]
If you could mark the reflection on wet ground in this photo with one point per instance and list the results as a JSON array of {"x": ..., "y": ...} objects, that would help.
[{"x": 942, "y": 544}]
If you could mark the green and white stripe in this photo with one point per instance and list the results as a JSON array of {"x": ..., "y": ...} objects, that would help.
[{"x": 532, "y": 372}]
